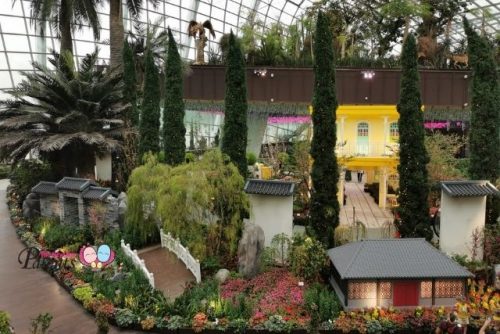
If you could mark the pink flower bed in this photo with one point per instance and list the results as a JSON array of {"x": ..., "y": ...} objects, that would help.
[{"x": 273, "y": 292}]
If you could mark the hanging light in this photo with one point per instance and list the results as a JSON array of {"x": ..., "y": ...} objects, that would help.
[{"x": 368, "y": 75}]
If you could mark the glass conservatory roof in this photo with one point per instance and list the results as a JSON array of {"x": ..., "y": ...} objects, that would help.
[
  {"x": 482, "y": 14},
  {"x": 20, "y": 44}
]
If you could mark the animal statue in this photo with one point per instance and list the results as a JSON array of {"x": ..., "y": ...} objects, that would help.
[
  {"x": 459, "y": 61},
  {"x": 197, "y": 29}
]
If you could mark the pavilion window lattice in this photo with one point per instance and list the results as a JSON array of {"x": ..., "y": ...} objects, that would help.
[
  {"x": 385, "y": 290},
  {"x": 449, "y": 288},
  {"x": 362, "y": 290},
  {"x": 426, "y": 289}
]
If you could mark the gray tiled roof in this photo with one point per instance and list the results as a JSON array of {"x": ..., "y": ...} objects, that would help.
[
  {"x": 469, "y": 188},
  {"x": 267, "y": 187},
  {"x": 96, "y": 193},
  {"x": 45, "y": 187},
  {"x": 392, "y": 259},
  {"x": 74, "y": 183}
]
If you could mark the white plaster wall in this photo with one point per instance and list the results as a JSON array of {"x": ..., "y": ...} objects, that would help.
[
  {"x": 425, "y": 301},
  {"x": 274, "y": 214},
  {"x": 361, "y": 303},
  {"x": 445, "y": 301},
  {"x": 460, "y": 216},
  {"x": 103, "y": 168}
]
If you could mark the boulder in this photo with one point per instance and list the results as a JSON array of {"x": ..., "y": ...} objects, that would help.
[
  {"x": 122, "y": 208},
  {"x": 249, "y": 249},
  {"x": 222, "y": 275},
  {"x": 31, "y": 206},
  {"x": 122, "y": 197}
]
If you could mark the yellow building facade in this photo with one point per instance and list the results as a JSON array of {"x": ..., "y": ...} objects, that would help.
[{"x": 367, "y": 140}]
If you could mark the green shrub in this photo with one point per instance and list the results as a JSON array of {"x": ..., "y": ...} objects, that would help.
[
  {"x": 125, "y": 317},
  {"x": 41, "y": 324},
  {"x": 307, "y": 257},
  {"x": 43, "y": 224},
  {"x": 322, "y": 303},
  {"x": 190, "y": 157},
  {"x": 276, "y": 323},
  {"x": 4, "y": 322},
  {"x": 194, "y": 299},
  {"x": 210, "y": 264},
  {"x": 251, "y": 159},
  {"x": 175, "y": 322},
  {"x": 240, "y": 308},
  {"x": 237, "y": 326},
  {"x": 26, "y": 174},
  {"x": 4, "y": 171},
  {"x": 102, "y": 322},
  {"x": 83, "y": 294},
  {"x": 61, "y": 235}
]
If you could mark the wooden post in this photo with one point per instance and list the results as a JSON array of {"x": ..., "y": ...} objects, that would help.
[
  {"x": 378, "y": 293},
  {"x": 433, "y": 292}
]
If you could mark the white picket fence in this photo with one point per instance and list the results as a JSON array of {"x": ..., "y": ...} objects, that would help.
[
  {"x": 182, "y": 254},
  {"x": 138, "y": 262}
]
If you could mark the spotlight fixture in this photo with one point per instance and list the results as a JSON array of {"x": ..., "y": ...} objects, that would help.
[
  {"x": 261, "y": 73},
  {"x": 368, "y": 74}
]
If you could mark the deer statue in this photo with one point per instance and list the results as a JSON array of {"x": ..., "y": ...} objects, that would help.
[
  {"x": 459, "y": 61},
  {"x": 198, "y": 29}
]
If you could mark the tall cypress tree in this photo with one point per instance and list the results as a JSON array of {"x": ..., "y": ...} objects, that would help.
[
  {"x": 485, "y": 115},
  {"x": 413, "y": 183},
  {"x": 234, "y": 138},
  {"x": 130, "y": 84},
  {"x": 174, "y": 131},
  {"x": 149, "y": 129},
  {"x": 325, "y": 175}
]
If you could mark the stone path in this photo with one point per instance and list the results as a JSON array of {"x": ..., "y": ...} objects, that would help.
[
  {"x": 367, "y": 210},
  {"x": 170, "y": 274},
  {"x": 25, "y": 293}
]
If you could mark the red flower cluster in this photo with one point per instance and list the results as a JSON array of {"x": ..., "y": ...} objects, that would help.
[{"x": 275, "y": 292}]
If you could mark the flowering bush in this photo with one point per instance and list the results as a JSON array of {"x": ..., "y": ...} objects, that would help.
[
  {"x": 199, "y": 322},
  {"x": 375, "y": 320},
  {"x": 148, "y": 323},
  {"x": 482, "y": 302},
  {"x": 307, "y": 258},
  {"x": 275, "y": 292}
]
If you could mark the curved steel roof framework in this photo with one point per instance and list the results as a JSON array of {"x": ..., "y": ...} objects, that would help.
[
  {"x": 20, "y": 44},
  {"x": 483, "y": 15}
]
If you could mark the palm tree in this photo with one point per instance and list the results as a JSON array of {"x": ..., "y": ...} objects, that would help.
[
  {"x": 63, "y": 16},
  {"x": 67, "y": 116},
  {"x": 117, "y": 31},
  {"x": 197, "y": 29},
  {"x": 147, "y": 36}
]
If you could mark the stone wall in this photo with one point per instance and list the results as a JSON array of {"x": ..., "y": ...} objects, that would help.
[{"x": 49, "y": 206}]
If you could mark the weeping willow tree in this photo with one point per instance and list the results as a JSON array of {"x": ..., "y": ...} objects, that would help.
[
  {"x": 201, "y": 203},
  {"x": 142, "y": 195}
]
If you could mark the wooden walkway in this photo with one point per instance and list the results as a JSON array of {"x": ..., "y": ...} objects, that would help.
[
  {"x": 170, "y": 274},
  {"x": 25, "y": 293},
  {"x": 367, "y": 211}
]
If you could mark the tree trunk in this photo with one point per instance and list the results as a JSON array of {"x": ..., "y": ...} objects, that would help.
[
  {"x": 116, "y": 33},
  {"x": 65, "y": 27},
  {"x": 407, "y": 29}
]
